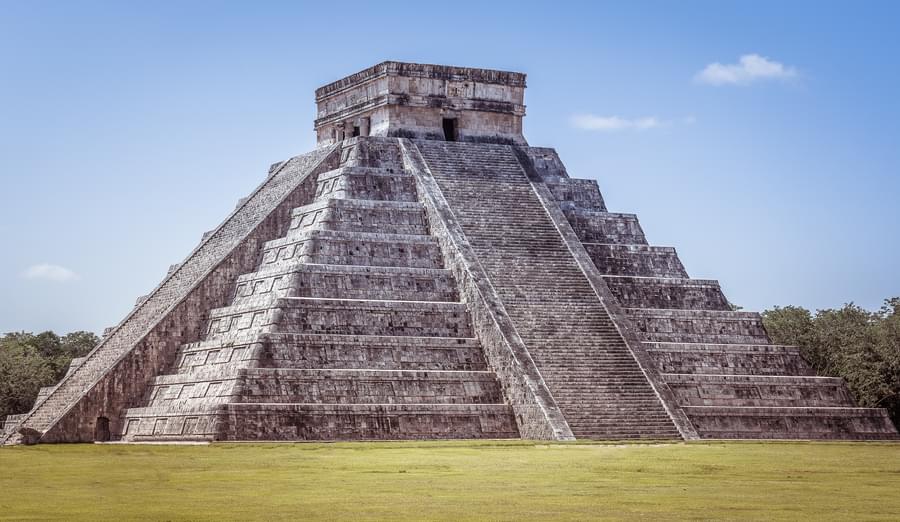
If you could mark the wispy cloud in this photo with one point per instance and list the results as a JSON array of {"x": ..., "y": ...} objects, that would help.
[
  {"x": 49, "y": 272},
  {"x": 592, "y": 122},
  {"x": 614, "y": 123},
  {"x": 749, "y": 69}
]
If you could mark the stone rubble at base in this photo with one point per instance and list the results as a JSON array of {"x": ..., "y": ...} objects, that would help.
[{"x": 426, "y": 274}]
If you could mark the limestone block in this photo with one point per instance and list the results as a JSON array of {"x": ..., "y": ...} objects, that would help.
[
  {"x": 729, "y": 359},
  {"x": 703, "y": 326},
  {"x": 606, "y": 227},
  {"x": 353, "y": 248},
  {"x": 655, "y": 292},
  {"x": 758, "y": 390},
  {"x": 372, "y": 352},
  {"x": 635, "y": 260},
  {"x": 718, "y": 422}
]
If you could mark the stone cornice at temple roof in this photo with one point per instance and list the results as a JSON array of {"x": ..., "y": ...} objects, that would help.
[{"x": 419, "y": 70}]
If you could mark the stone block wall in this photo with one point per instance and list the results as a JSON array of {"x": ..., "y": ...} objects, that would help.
[
  {"x": 350, "y": 328},
  {"x": 413, "y": 100},
  {"x": 724, "y": 373},
  {"x": 116, "y": 374}
]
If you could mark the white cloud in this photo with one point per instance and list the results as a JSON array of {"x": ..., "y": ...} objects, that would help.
[
  {"x": 48, "y": 272},
  {"x": 614, "y": 123},
  {"x": 750, "y": 68}
]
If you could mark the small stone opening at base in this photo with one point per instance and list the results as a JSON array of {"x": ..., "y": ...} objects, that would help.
[
  {"x": 450, "y": 130},
  {"x": 101, "y": 430}
]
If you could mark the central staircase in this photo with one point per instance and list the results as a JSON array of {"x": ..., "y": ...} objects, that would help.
[{"x": 589, "y": 369}]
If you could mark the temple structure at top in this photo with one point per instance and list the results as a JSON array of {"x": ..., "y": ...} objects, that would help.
[
  {"x": 433, "y": 102},
  {"x": 424, "y": 273}
]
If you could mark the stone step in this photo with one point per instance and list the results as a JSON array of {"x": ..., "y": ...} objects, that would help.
[
  {"x": 342, "y": 316},
  {"x": 192, "y": 391},
  {"x": 635, "y": 260},
  {"x": 347, "y": 282},
  {"x": 238, "y": 421},
  {"x": 758, "y": 390},
  {"x": 9, "y": 424},
  {"x": 329, "y": 386},
  {"x": 658, "y": 292},
  {"x": 625, "y": 424},
  {"x": 43, "y": 393},
  {"x": 592, "y": 226},
  {"x": 353, "y": 248},
  {"x": 722, "y": 422},
  {"x": 366, "y": 183},
  {"x": 620, "y": 364},
  {"x": 616, "y": 412},
  {"x": 620, "y": 419},
  {"x": 616, "y": 433},
  {"x": 372, "y": 352},
  {"x": 359, "y": 215},
  {"x": 623, "y": 388},
  {"x": 733, "y": 359},
  {"x": 572, "y": 193},
  {"x": 698, "y": 326},
  {"x": 310, "y": 351},
  {"x": 74, "y": 364}
]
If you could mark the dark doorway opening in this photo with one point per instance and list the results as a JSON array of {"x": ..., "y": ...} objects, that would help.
[
  {"x": 101, "y": 431},
  {"x": 355, "y": 131},
  {"x": 450, "y": 131}
]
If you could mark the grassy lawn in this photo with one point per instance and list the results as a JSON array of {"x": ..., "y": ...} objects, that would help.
[{"x": 452, "y": 480}]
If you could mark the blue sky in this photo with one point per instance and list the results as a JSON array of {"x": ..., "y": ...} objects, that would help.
[{"x": 128, "y": 129}]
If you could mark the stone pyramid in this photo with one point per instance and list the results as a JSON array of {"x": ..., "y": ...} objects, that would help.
[{"x": 426, "y": 274}]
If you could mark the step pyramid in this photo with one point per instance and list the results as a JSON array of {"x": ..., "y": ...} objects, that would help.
[{"x": 425, "y": 274}]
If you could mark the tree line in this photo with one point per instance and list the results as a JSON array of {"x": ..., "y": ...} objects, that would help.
[
  {"x": 30, "y": 361},
  {"x": 860, "y": 346}
]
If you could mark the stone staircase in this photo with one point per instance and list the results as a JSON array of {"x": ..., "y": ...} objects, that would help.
[
  {"x": 105, "y": 381},
  {"x": 725, "y": 373},
  {"x": 350, "y": 328},
  {"x": 590, "y": 371}
]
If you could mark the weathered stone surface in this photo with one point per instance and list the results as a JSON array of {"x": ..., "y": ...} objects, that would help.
[
  {"x": 384, "y": 287},
  {"x": 720, "y": 366},
  {"x": 602, "y": 227},
  {"x": 728, "y": 359},
  {"x": 371, "y": 351},
  {"x": 718, "y": 422},
  {"x": 321, "y": 339},
  {"x": 672, "y": 293},
  {"x": 758, "y": 390},
  {"x": 593, "y": 376},
  {"x": 636, "y": 260},
  {"x": 115, "y": 375},
  {"x": 416, "y": 100}
]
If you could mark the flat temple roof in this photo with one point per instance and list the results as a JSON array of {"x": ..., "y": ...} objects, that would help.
[{"x": 422, "y": 70}]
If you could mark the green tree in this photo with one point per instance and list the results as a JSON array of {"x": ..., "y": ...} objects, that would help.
[
  {"x": 889, "y": 351},
  {"x": 859, "y": 346},
  {"x": 30, "y": 361},
  {"x": 792, "y": 325},
  {"x": 23, "y": 371}
]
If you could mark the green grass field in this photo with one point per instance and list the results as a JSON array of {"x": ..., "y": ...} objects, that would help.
[{"x": 452, "y": 481}]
